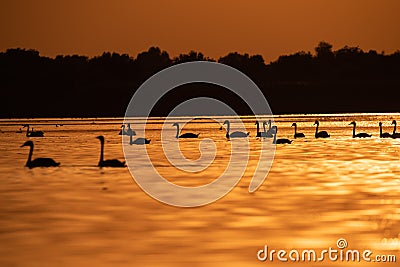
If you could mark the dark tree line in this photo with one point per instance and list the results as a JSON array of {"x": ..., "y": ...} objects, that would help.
[{"x": 327, "y": 81}]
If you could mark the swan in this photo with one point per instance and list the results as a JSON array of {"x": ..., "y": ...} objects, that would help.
[
  {"x": 129, "y": 131},
  {"x": 296, "y": 134},
  {"x": 322, "y": 134},
  {"x": 138, "y": 141},
  {"x": 281, "y": 140},
  {"x": 234, "y": 134},
  {"x": 395, "y": 135},
  {"x": 185, "y": 135},
  {"x": 38, "y": 162},
  {"x": 383, "y": 135},
  {"x": 109, "y": 162},
  {"x": 268, "y": 134},
  {"x": 33, "y": 133},
  {"x": 122, "y": 132},
  {"x": 260, "y": 134},
  {"x": 359, "y": 135}
]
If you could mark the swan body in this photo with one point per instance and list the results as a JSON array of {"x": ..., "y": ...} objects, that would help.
[
  {"x": 38, "y": 162},
  {"x": 383, "y": 135},
  {"x": 359, "y": 135},
  {"x": 322, "y": 134},
  {"x": 234, "y": 134},
  {"x": 395, "y": 135},
  {"x": 296, "y": 134},
  {"x": 109, "y": 162},
  {"x": 139, "y": 141},
  {"x": 185, "y": 135},
  {"x": 33, "y": 133},
  {"x": 280, "y": 140}
]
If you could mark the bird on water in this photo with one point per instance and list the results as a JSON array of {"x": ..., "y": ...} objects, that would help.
[
  {"x": 280, "y": 140},
  {"x": 395, "y": 135},
  {"x": 234, "y": 134},
  {"x": 185, "y": 135},
  {"x": 321, "y": 134},
  {"x": 381, "y": 134},
  {"x": 359, "y": 135},
  {"x": 109, "y": 162},
  {"x": 296, "y": 134},
  {"x": 38, "y": 162},
  {"x": 33, "y": 133}
]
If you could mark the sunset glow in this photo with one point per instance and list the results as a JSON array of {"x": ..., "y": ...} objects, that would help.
[{"x": 266, "y": 27}]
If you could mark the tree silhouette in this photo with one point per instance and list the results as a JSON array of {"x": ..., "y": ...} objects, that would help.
[{"x": 77, "y": 86}]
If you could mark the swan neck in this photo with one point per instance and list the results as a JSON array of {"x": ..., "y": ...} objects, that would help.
[
  {"x": 354, "y": 130},
  {"x": 380, "y": 130},
  {"x": 177, "y": 130},
  {"x": 316, "y": 129},
  {"x": 258, "y": 128},
  {"x": 274, "y": 142},
  {"x": 30, "y": 155},
  {"x": 295, "y": 129},
  {"x": 394, "y": 129},
  {"x": 101, "y": 151},
  {"x": 228, "y": 128},
  {"x": 265, "y": 131}
]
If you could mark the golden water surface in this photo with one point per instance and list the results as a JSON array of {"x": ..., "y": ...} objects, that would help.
[{"x": 317, "y": 191}]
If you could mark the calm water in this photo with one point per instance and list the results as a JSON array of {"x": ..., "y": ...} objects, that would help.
[{"x": 317, "y": 191}]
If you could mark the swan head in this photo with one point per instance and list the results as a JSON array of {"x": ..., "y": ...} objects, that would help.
[
  {"x": 380, "y": 123},
  {"x": 294, "y": 124},
  {"x": 316, "y": 123},
  {"x": 394, "y": 122},
  {"x": 352, "y": 123},
  {"x": 175, "y": 124},
  {"x": 101, "y": 138},
  {"x": 264, "y": 123},
  {"x": 257, "y": 123},
  {"x": 274, "y": 129},
  {"x": 27, "y": 143},
  {"x": 226, "y": 122}
]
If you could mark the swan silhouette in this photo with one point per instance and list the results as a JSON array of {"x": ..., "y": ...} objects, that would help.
[
  {"x": 234, "y": 134},
  {"x": 185, "y": 135},
  {"x": 138, "y": 141},
  {"x": 268, "y": 134},
  {"x": 383, "y": 135},
  {"x": 359, "y": 135},
  {"x": 296, "y": 134},
  {"x": 109, "y": 162},
  {"x": 260, "y": 134},
  {"x": 122, "y": 132},
  {"x": 322, "y": 134},
  {"x": 38, "y": 162},
  {"x": 32, "y": 133},
  {"x": 395, "y": 135},
  {"x": 281, "y": 140},
  {"x": 129, "y": 131}
]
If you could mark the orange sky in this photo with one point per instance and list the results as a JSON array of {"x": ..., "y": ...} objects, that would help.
[{"x": 214, "y": 27}]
